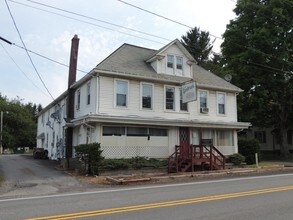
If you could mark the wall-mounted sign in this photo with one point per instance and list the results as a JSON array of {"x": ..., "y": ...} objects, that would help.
[{"x": 189, "y": 92}]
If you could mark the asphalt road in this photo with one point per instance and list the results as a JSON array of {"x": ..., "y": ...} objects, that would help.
[
  {"x": 25, "y": 176},
  {"x": 256, "y": 198}
]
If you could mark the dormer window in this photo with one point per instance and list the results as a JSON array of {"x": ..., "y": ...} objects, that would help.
[
  {"x": 174, "y": 65},
  {"x": 179, "y": 63},
  {"x": 170, "y": 61}
]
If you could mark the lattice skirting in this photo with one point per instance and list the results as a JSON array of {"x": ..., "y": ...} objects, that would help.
[{"x": 135, "y": 151}]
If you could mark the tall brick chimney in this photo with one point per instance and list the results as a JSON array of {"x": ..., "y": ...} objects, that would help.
[
  {"x": 73, "y": 60},
  {"x": 70, "y": 97}
]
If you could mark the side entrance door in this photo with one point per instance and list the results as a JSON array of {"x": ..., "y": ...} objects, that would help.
[{"x": 184, "y": 140}]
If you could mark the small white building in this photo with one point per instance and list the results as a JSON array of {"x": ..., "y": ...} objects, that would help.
[{"x": 131, "y": 103}]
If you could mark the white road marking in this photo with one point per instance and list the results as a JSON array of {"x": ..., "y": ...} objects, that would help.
[{"x": 147, "y": 187}]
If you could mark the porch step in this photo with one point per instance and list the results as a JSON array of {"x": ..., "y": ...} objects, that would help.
[{"x": 198, "y": 158}]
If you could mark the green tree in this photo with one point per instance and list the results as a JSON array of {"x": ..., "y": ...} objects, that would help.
[
  {"x": 199, "y": 45},
  {"x": 19, "y": 123},
  {"x": 257, "y": 51}
]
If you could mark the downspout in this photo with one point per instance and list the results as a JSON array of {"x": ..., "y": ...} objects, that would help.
[{"x": 99, "y": 94}]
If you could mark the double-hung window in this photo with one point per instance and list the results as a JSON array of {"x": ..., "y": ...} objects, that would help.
[
  {"x": 170, "y": 98},
  {"x": 121, "y": 93},
  {"x": 147, "y": 95},
  {"x": 221, "y": 101},
  {"x": 88, "y": 97},
  {"x": 203, "y": 99},
  {"x": 78, "y": 99},
  {"x": 179, "y": 63},
  {"x": 170, "y": 61},
  {"x": 183, "y": 106}
]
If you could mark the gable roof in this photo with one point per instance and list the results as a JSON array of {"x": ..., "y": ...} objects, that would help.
[
  {"x": 131, "y": 61},
  {"x": 178, "y": 44}
]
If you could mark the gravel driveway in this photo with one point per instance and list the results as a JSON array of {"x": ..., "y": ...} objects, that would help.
[{"x": 25, "y": 176}]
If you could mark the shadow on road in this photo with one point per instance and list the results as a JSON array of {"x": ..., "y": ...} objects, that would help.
[{"x": 25, "y": 176}]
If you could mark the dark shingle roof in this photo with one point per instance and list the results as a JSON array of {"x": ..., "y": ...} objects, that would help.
[{"x": 130, "y": 60}]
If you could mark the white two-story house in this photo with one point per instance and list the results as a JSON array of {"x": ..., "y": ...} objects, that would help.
[{"x": 132, "y": 104}]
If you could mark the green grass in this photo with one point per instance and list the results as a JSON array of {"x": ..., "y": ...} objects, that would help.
[
  {"x": 261, "y": 164},
  {"x": 1, "y": 180}
]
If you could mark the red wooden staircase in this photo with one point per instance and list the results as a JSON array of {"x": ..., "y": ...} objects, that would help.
[{"x": 198, "y": 157}]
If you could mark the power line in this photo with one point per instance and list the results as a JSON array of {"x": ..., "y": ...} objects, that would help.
[
  {"x": 63, "y": 10},
  {"x": 96, "y": 19},
  {"x": 50, "y": 59},
  {"x": 268, "y": 67},
  {"x": 243, "y": 46},
  {"x": 93, "y": 24},
  {"x": 21, "y": 69},
  {"x": 161, "y": 16},
  {"x": 26, "y": 50}
]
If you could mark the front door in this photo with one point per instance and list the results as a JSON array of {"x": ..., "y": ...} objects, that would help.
[{"x": 184, "y": 139}]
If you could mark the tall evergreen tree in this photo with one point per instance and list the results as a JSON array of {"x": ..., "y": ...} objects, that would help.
[
  {"x": 257, "y": 51},
  {"x": 199, "y": 45}
]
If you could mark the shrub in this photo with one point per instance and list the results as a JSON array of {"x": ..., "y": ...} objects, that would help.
[
  {"x": 236, "y": 159},
  {"x": 132, "y": 163},
  {"x": 90, "y": 155},
  {"x": 115, "y": 164},
  {"x": 248, "y": 148}
]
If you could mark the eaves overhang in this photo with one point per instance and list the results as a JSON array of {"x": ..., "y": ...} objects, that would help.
[
  {"x": 176, "y": 80},
  {"x": 158, "y": 121}
]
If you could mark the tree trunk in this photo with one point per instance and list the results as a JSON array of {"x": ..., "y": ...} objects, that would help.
[{"x": 284, "y": 148}]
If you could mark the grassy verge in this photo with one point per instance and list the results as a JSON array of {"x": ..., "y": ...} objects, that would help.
[
  {"x": 1, "y": 180},
  {"x": 261, "y": 164}
]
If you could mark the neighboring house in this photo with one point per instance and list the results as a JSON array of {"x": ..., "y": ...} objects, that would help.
[
  {"x": 131, "y": 103},
  {"x": 268, "y": 138}
]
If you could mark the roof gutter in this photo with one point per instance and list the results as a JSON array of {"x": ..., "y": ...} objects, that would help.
[
  {"x": 130, "y": 76},
  {"x": 156, "y": 121}
]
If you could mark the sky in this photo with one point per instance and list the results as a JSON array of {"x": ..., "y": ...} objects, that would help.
[{"x": 46, "y": 28}]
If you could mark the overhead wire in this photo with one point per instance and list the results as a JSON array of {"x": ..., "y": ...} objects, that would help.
[
  {"x": 31, "y": 61},
  {"x": 88, "y": 17},
  {"x": 93, "y": 24},
  {"x": 45, "y": 57},
  {"x": 161, "y": 16},
  {"x": 96, "y": 19},
  {"x": 26, "y": 76},
  {"x": 174, "y": 21}
]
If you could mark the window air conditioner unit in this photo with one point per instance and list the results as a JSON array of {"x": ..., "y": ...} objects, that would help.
[{"x": 204, "y": 110}]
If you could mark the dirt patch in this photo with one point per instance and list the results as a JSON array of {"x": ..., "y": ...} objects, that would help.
[{"x": 178, "y": 177}]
